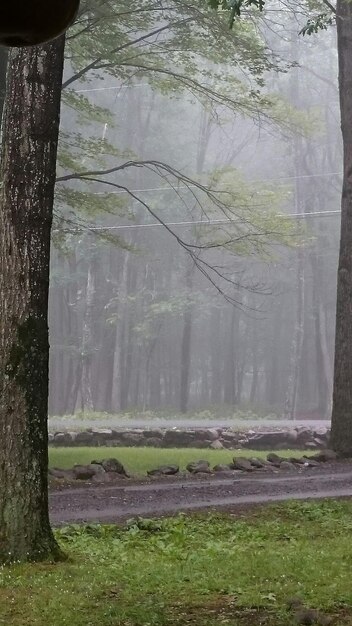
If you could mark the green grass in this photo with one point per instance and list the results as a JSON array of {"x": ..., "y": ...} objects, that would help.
[
  {"x": 139, "y": 460},
  {"x": 200, "y": 571}
]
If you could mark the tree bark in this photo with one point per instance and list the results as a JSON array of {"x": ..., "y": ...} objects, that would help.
[
  {"x": 341, "y": 426},
  {"x": 28, "y": 169}
]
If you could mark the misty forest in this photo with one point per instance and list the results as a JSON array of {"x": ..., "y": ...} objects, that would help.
[{"x": 196, "y": 228}]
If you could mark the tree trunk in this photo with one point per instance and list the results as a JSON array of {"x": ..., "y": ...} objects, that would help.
[
  {"x": 28, "y": 169},
  {"x": 341, "y": 427},
  {"x": 3, "y": 68},
  {"x": 186, "y": 339}
]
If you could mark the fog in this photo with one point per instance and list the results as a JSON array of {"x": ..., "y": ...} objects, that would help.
[{"x": 200, "y": 274}]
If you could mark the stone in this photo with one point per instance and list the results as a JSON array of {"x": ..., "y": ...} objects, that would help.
[
  {"x": 311, "y": 463},
  {"x": 102, "y": 433},
  {"x": 113, "y": 465},
  {"x": 291, "y": 436},
  {"x": 156, "y": 433},
  {"x": 106, "y": 477},
  {"x": 132, "y": 439},
  {"x": 297, "y": 461},
  {"x": 211, "y": 434},
  {"x": 324, "y": 456},
  {"x": 179, "y": 438},
  {"x": 304, "y": 435},
  {"x": 265, "y": 441},
  {"x": 84, "y": 438},
  {"x": 242, "y": 464},
  {"x": 62, "y": 439},
  {"x": 200, "y": 466},
  {"x": 229, "y": 435},
  {"x": 153, "y": 442},
  {"x": 66, "y": 474},
  {"x": 258, "y": 463},
  {"x": 273, "y": 458},
  {"x": 50, "y": 438},
  {"x": 216, "y": 445},
  {"x": 164, "y": 470},
  {"x": 286, "y": 465},
  {"x": 86, "y": 472},
  {"x": 221, "y": 467}
]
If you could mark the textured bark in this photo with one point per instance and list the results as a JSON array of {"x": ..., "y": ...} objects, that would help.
[
  {"x": 341, "y": 434},
  {"x": 30, "y": 134}
]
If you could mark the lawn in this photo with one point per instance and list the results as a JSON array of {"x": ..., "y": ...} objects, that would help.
[
  {"x": 138, "y": 460},
  {"x": 199, "y": 570}
]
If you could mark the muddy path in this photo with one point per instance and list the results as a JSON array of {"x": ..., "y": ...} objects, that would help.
[{"x": 119, "y": 501}]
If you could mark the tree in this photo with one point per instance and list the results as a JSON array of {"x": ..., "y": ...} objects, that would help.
[
  {"x": 341, "y": 426},
  {"x": 28, "y": 165}
]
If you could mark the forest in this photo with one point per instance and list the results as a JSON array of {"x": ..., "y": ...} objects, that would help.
[{"x": 197, "y": 216}]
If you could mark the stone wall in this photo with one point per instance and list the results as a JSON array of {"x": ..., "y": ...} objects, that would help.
[{"x": 215, "y": 438}]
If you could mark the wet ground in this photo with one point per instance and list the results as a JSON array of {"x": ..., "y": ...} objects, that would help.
[{"x": 121, "y": 500}]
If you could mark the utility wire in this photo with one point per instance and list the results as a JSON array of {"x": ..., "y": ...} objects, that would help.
[{"x": 197, "y": 222}]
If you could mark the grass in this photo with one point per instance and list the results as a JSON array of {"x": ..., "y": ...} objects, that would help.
[
  {"x": 247, "y": 412},
  {"x": 139, "y": 460},
  {"x": 191, "y": 571}
]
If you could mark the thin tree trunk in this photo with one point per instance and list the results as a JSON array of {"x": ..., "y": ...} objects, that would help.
[
  {"x": 87, "y": 340},
  {"x": 186, "y": 339},
  {"x": 341, "y": 426},
  {"x": 28, "y": 168}
]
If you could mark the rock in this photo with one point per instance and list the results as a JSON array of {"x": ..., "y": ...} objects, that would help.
[
  {"x": 324, "y": 456},
  {"x": 265, "y": 441},
  {"x": 197, "y": 467},
  {"x": 66, "y": 474},
  {"x": 156, "y": 433},
  {"x": 153, "y": 442},
  {"x": 102, "y": 433},
  {"x": 86, "y": 472},
  {"x": 304, "y": 435},
  {"x": 50, "y": 438},
  {"x": 286, "y": 465},
  {"x": 311, "y": 463},
  {"x": 132, "y": 439},
  {"x": 297, "y": 461},
  {"x": 106, "y": 477},
  {"x": 229, "y": 435},
  {"x": 164, "y": 470},
  {"x": 275, "y": 459},
  {"x": 113, "y": 465},
  {"x": 179, "y": 438},
  {"x": 242, "y": 464},
  {"x": 62, "y": 439},
  {"x": 216, "y": 445},
  {"x": 291, "y": 436},
  {"x": 84, "y": 438},
  {"x": 258, "y": 463},
  {"x": 221, "y": 467}
]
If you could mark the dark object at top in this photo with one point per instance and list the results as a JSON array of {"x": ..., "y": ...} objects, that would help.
[{"x": 33, "y": 22}]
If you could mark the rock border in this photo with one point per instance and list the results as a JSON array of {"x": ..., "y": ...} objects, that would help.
[
  {"x": 299, "y": 438},
  {"x": 108, "y": 470}
]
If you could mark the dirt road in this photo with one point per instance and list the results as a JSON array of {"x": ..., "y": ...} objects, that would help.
[{"x": 116, "y": 502}]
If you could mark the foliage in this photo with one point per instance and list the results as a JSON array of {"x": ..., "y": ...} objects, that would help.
[{"x": 207, "y": 570}]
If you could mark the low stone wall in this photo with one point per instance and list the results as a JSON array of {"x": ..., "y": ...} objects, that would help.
[{"x": 215, "y": 438}]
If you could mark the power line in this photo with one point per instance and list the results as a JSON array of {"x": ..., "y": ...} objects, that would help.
[{"x": 309, "y": 215}]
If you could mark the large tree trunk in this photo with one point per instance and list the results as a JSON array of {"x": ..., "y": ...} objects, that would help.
[
  {"x": 341, "y": 431},
  {"x": 28, "y": 168}
]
